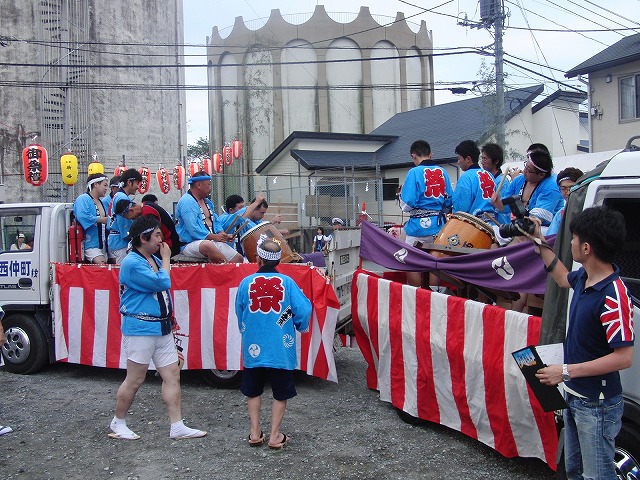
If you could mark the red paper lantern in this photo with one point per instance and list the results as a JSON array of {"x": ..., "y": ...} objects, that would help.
[
  {"x": 163, "y": 180},
  {"x": 206, "y": 165},
  {"x": 236, "y": 148},
  {"x": 217, "y": 162},
  {"x": 120, "y": 169},
  {"x": 36, "y": 164},
  {"x": 143, "y": 187},
  {"x": 194, "y": 167},
  {"x": 227, "y": 155},
  {"x": 179, "y": 177}
]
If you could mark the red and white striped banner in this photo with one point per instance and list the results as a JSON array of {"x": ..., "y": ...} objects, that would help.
[
  {"x": 448, "y": 360},
  {"x": 87, "y": 319}
]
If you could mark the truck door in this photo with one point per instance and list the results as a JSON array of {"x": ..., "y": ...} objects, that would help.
[{"x": 19, "y": 256}]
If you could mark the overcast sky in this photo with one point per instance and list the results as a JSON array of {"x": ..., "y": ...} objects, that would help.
[{"x": 535, "y": 50}]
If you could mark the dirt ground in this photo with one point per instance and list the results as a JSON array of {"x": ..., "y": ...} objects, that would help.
[{"x": 61, "y": 416}]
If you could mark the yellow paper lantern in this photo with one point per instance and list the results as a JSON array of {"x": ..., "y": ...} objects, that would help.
[
  {"x": 69, "y": 168},
  {"x": 96, "y": 167}
]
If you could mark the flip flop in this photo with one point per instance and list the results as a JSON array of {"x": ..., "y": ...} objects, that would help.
[
  {"x": 124, "y": 436},
  {"x": 258, "y": 442},
  {"x": 281, "y": 445}
]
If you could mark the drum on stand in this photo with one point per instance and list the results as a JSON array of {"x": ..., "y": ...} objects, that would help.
[
  {"x": 250, "y": 239},
  {"x": 464, "y": 230}
]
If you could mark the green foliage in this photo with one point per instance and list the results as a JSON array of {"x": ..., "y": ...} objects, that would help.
[{"x": 199, "y": 149}]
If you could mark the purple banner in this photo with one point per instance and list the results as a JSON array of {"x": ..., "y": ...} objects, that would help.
[{"x": 516, "y": 268}]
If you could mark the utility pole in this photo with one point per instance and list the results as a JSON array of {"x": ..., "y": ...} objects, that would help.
[
  {"x": 498, "y": 23},
  {"x": 492, "y": 14}
]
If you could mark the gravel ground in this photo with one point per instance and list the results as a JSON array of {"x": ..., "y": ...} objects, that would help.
[{"x": 60, "y": 419}]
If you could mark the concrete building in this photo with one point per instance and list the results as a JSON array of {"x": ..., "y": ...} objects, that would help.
[
  {"x": 94, "y": 77},
  {"x": 319, "y": 72}
]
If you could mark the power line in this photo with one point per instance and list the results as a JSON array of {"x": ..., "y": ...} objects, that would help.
[{"x": 306, "y": 62}]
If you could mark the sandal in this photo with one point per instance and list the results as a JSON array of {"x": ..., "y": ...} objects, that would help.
[
  {"x": 258, "y": 442},
  {"x": 281, "y": 445}
]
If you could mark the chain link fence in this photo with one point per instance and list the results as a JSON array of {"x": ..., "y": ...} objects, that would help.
[{"x": 306, "y": 202}]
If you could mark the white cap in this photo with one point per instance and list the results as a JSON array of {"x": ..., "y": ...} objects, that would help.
[
  {"x": 21, "y": 235},
  {"x": 337, "y": 220}
]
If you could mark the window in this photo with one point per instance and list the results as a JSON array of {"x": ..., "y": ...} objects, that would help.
[
  {"x": 630, "y": 97},
  {"x": 390, "y": 188},
  {"x": 16, "y": 230}
]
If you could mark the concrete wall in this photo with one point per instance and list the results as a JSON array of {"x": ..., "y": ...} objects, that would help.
[
  {"x": 609, "y": 131},
  {"x": 147, "y": 126}
]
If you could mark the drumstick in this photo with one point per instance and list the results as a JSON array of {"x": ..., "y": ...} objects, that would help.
[
  {"x": 504, "y": 177},
  {"x": 237, "y": 232},
  {"x": 235, "y": 220}
]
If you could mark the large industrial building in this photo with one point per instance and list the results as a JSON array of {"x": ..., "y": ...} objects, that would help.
[
  {"x": 322, "y": 72},
  {"x": 90, "y": 76}
]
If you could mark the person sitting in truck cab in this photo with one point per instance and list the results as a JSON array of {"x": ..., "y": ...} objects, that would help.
[
  {"x": 199, "y": 226},
  {"x": 91, "y": 215},
  {"x": 20, "y": 243},
  {"x": 118, "y": 225}
]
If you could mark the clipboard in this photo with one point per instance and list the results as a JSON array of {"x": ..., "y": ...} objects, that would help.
[{"x": 529, "y": 363}]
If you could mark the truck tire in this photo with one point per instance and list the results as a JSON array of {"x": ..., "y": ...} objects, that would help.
[
  {"x": 25, "y": 350},
  {"x": 222, "y": 378}
]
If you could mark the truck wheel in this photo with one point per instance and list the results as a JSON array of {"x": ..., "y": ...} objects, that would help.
[
  {"x": 626, "y": 456},
  {"x": 222, "y": 378},
  {"x": 628, "y": 452},
  {"x": 25, "y": 350}
]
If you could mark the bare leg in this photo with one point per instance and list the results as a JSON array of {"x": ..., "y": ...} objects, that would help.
[
  {"x": 136, "y": 373},
  {"x": 100, "y": 260},
  {"x": 414, "y": 279},
  {"x": 209, "y": 250},
  {"x": 171, "y": 392},
  {"x": 254, "y": 405},
  {"x": 521, "y": 304},
  {"x": 278, "y": 408}
]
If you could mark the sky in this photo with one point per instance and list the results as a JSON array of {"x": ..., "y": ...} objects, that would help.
[{"x": 543, "y": 52}]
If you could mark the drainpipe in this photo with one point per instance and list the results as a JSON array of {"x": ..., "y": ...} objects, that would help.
[{"x": 589, "y": 117}]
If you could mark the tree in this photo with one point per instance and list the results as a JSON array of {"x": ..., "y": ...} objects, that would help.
[{"x": 199, "y": 149}]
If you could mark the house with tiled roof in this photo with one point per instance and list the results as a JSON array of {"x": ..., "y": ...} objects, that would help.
[
  {"x": 356, "y": 168},
  {"x": 614, "y": 93}
]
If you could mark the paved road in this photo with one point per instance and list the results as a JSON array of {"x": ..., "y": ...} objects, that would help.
[{"x": 339, "y": 431}]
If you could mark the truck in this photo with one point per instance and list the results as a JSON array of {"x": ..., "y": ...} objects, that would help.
[
  {"x": 459, "y": 371},
  {"x": 57, "y": 310}
]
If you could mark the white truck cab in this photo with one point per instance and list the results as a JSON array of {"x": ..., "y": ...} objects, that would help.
[{"x": 25, "y": 279}]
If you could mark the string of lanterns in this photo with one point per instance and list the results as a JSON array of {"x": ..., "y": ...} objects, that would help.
[{"x": 36, "y": 167}]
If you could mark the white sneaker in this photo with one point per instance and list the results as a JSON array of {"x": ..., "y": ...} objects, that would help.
[{"x": 4, "y": 430}]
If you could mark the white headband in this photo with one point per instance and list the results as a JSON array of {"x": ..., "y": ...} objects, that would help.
[
  {"x": 265, "y": 255},
  {"x": 95, "y": 180},
  {"x": 563, "y": 179}
]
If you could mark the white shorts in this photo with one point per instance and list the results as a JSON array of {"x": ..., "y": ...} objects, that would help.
[
  {"x": 119, "y": 254},
  {"x": 90, "y": 254},
  {"x": 144, "y": 348},
  {"x": 411, "y": 240},
  {"x": 193, "y": 249}
]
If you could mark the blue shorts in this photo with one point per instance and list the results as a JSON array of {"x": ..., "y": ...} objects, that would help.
[{"x": 282, "y": 384}]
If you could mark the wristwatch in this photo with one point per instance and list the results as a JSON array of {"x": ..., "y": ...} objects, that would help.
[{"x": 565, "y": 373}]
